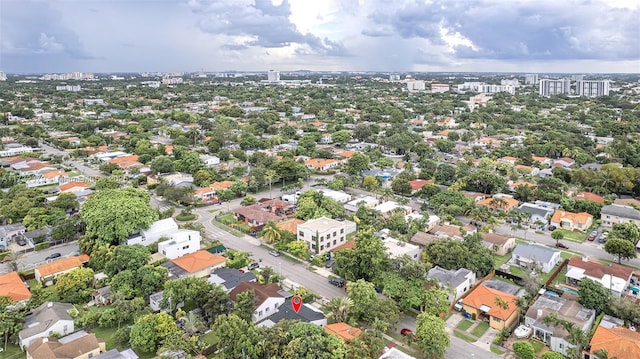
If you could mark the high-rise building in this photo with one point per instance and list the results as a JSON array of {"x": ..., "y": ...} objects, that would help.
[
  {"x": 531, "y": 79},
  {"x": 549, "y": 87},
  {"x": 577, "y": 77},
  {"x": 416, "y": 85},
  {"x": 273, "y": 76},
  {"x": 592, "y": 88},
  {"x": 510, "y": 82},
  {"x": 439, "y": 88},
  {"x": 3, "y": 76},
  {"x": 394, "y": 77}
]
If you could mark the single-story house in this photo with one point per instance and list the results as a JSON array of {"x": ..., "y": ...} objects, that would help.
[
  {"x": 343, "y": 331},
  {"x": 536, "y": 213},
  {"x": 46, "y": 273},
  {"x": 566, "y": 309},
  {"x": 498, "y": 243},
  {"x": 571, "y": 221},
  {"x": 229, "y": 278},
  {"x": 13, "y": 287},
  {"x": 198, "y": 264},
  {"x": 481, "y": 305},
  {"x": 306, "y": 314},
  {"x": 526, "y": 254},
  {"x": 619, "y": 342},
  {"x": 45, "y": 320},
  {"x": 79, "y": 345}
]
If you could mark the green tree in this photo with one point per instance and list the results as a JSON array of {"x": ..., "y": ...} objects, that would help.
[
  {"x": 270, "y": 232},
  {"x": 524, "y": 350},
  {"x": 621, "y": 248},
  {"x": 162, "y": 164},
  {"x": 75, "y": 286},
  {"x": 66, "y": 201},
  {"x": 627, "y": 231},
  {"x": 107, "y": 183},
  {"x": 11, "y": 319},
  {"x": 557, "y": 235},
  {"x": 237, "y": 338},
  {"x": 431, "y": 336},
  {"x": 217, "y": 303},
  {"x": 401, "y": 186},
  {"x": 435, "y": 301},
  {"x": 370, "y": 183},
  {"x": 553, "y": 355},
  {"x": 125, "y": 257},
  {"x": 364, "y": 298},
  {"x": 357, "y": 163},
  {"x": 150, "y": 331},
  {"x": 112, "y": 215},
  {"x": 246, "y": 305},
  {"x": 368, "y": 260},
  {"x": 339, "y": 308},
  {"x": 592, "y": 295}
]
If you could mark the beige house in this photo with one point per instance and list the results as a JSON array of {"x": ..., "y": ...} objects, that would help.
[
  {"x": 46, "y": 273},
  {"x": 615, "y": 213},
  {"x": 497, "y": 243},
  {"x": 80, "y": 345}
]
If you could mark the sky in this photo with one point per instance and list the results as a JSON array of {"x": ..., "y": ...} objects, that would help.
[{"x": 588, "y": 36}]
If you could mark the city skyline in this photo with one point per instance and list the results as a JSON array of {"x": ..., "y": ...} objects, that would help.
[{"x": 325, "y": 35}]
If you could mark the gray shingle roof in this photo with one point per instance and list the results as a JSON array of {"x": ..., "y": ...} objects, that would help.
[
  {"x": 535, "y": 252},
  {"x": 621, "y": 211},
  {"x": 449, "y": 277},
  {"x": 45, "y": 316}
]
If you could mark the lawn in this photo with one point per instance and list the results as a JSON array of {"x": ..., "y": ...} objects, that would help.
[
  {"x": 538, "y": 346},
  {"x": 495, "y": 350},
  {"x": 465, "y": 324},
  {"x": 12, "y": 352},
  {"x": 480, "y": 329},
  {"x": 500, "y": 260},
  {"x": 106, "y": 334},
  {"x": 517, "y": 271},
  {"x": 464, "y": 336},
  {"x": 573, "y": 236},
  {"x": 210, "y": 338}
]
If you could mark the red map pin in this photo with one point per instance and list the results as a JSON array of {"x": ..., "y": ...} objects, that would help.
[{"x": 296, "y": 302}]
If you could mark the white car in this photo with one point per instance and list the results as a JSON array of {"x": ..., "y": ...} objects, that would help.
[{"x": 458, "y": 305}]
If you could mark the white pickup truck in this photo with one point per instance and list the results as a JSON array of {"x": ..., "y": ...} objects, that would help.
[{"x": 291, "y": 198}]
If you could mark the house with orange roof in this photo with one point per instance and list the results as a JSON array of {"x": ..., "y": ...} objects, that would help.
[
  {"x": 73, "y": 187},
  {"x": 269, "y": 298},
  {"x": 500, "y": 203},
  {"x": 290, "y": 225},
  {"x": 321, "y": 164},
  {"x": 13, "y": 287},
  {"x": 46, "y": 273},
  {"x": 571, "y": 221},
  {"x": 481, "y": 305},
  {"x": 343, "y": 331},
  {"x": 326, "y": 138},
  {"x": 588, "y": 196},
  {"x": 417, "y": 184},
  {"x": 199, "y": 264},
  {"x": 619, "y": 342},
  {"x": 206, "y": 194},
  {"x": 507, "y": 160},
  {"x": 345, "y": 155},
  {"x": 542, "y": 160},
  {"x": 516, "y": 184}
]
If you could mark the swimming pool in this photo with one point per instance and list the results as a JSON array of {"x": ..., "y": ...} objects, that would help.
[
  {"x": 551, "y": 293},
  {"x": 569, "y": 290}
]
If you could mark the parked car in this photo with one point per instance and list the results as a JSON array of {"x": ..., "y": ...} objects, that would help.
[
  {"x": 406, "y": 332},
  {"x": 53, "y": 256},
  {"x": 562, "y": 245},
  {"x": 275, "y": 253},
  {"x": 592, "y": 236},
  {"x": 603, "y": 237},
  {"x": 21, "y": 241},
  {"x": 330, "y": 264},
  {"x": 338, "y": 282},
  {"x": 552, "y": 228},
  {"x": 458, "y": 305},
  {"x": 253, "y": 265}
]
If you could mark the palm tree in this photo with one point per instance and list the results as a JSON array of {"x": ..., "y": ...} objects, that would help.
[
  {"x": 339, "y": 308},
  {"x": 603, "y": 354},
  {"x": 501, "y": 303},
  {"x": 270, "y": 176},
  {"x": 267, "y": 274},
  {"x": 192, "y": 323},
  {"x": 271, "y": 232}
]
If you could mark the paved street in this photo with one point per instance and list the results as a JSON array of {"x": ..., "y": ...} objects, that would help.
[
  {"x": 80, "y": 166},
  {"x": 31, "y": 260},
  {"x": 590, "y": 249}
]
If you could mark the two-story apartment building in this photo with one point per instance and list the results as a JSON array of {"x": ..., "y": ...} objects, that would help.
[
  {"x": 615, "y": 213},
  {"x": 180, "y": 243},
  {"x": 323, "y": 234}
]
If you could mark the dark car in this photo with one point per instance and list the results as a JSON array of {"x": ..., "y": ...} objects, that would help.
[
  {"x": 406, "y": 332},
  {"x": 21, "y": 242},
  {"x": 552, "y": 228},
  {"x": 53, "y": 256},
  {"x": 562, "y": 245},
  {"x": 253, "y": 265},
  {"x": 338, "y": 282}
]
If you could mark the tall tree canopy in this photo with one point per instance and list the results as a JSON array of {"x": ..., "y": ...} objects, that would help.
[{"x": 113, "y": 214}]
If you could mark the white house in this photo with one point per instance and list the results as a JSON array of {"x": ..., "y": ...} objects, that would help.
[
  {"x": 46, "y": 320},
  {"x": 180, "y": 243},
  {"x": 614, "y": 277},
  {"x": 556, "y": 336},
  {"x": 459, "y": 281},
  {"x": 339, "y": 196},
  {"x": 323, "y": 234},
  {"x": 209, "y": 161},
  {"x": 545, "y": 257},
  {"x": 158, "y": 229},
  {"x": 397, "y": 249},
  {"x": 269, "y": 298}
]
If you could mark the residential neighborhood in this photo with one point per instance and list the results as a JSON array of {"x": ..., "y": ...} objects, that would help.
[{"x": 179, "y": 216}]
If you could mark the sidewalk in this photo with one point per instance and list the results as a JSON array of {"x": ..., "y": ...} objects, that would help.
[
  {"x": 453, "y": 322},
  {"x": 486, "y": 339}
]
